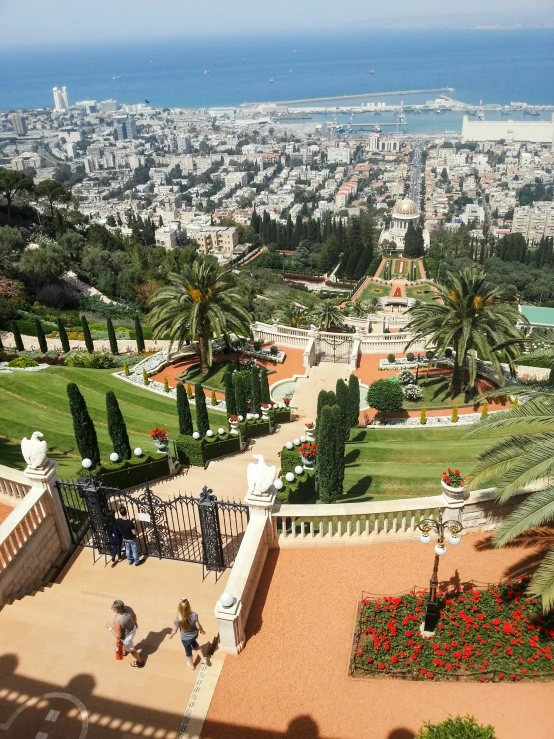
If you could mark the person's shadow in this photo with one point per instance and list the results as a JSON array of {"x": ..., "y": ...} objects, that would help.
[
  {"x": 401, "y": 733},
  {"x": 151, "y": 642}
]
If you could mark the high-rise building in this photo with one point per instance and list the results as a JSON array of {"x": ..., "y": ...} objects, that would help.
[
  {"x": 61, "y": 101},
  {"x": 19, "y": 124},
  {"x": 131, "y": 128},
  {"x": 184, "y": 144},
  {"x": 121, "y": 130}
]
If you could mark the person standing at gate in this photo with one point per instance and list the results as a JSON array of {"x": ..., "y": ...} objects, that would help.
[
  {"x": 124, "y": 628},
  {"x": 127, "y": 528},
  {"x": 188, "y": 624},
  {"x": 116, "y": 540}
]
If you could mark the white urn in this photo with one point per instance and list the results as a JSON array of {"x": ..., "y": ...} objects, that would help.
[{"x": 455, "y": 497}]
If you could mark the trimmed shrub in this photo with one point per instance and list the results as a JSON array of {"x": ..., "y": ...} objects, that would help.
[
  {"x": 485, "y": 410},
  {"x": 391, "y": 358},
  {"x": 132, "y": 472},
  {"x": 189, "y": 391},
  {"x": 281, "y": 415},
  {"x": 385, "y": 396},
  {"x": 219, "y": 446},
  {"x": 83, "y": 427},
  {"x": 139, "y": 336},
  {"x": 230, "y": 399},
  {"x": 189, "y": 450},
  {"x": 62, "y": 333},
  {"x": 343, "y": 402},
  {"x": 213, "y": 398},
  {"x": 240, "y": 395},
  {"x": 456, "y": 728},
  {"x": 274, "y": 350},
  {"x": 330, "y": 454},
  {"x": 410, "y": 356},
  {"x": 454, "y": 417},
  {"x": 264, "y": 384},
  {"x": 112, "y": 337},
  {"x": 257, "y": 346},
  {"x": 256, "y": 390},
  {"x": 23, "y": 362},
  {"x": 354, "y": 396},
  {"x": 448, "y": 353},
  {"x": 412, "y": 393},
  {"x": 96, "y": 360},
  {"x": 202, "y": 420},
  {"x": 183, "y": 411},
  {"x": 117, "y": 428},
  {"x": 405, "y": 377},
  {"x": 298, "y": 491},
  {"x": 17, "y": 340},
  {"x": 423, "y": 416},
  {"x": 515, "y": 403},
  {"x": 166, "y": 384},
  {"x": 125, "y": 368},
  {"x": 43, "y": 344},
  {"x": 86, "y": 335},
  {"x": 429, "y": 355},
  {"x": 145, "y": 379},
  {"x": 290, "y": 458},
  {"x": 253, "y": 429}
]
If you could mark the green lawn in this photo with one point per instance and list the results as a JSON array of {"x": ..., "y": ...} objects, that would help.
[
  {"x": 213, "y": 379},
  {"x": 437, "y": 395},
  {"x": 37, "y": 401},
  {"x": 373, "y": 290},
  {"x": 421, "y": 292},
  {"x": 382, "y": 464}
]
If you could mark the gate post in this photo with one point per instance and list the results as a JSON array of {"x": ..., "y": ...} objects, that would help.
[
  {"x": 212, "y": 546},
  {"x": 91, "y": 491},
  {"x": 152, "y": 514},
  {"x": 45, "y": 478}
]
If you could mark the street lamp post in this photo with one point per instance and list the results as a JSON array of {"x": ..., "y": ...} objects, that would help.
[{"x": 441, "y": 528}]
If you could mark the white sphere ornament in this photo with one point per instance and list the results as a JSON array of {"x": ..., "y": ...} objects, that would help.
[
  {"x": 303, "y": 439},
  {"x": 297, "y": 442},
  {"x": 440, "y": 550},
  {"x": 425, "y": 538},
  {"x": 289, "y": 445},
  {"x": 241, "y": 418},
  {"x": 195, "y": 435},
  {"x": 249, "y": 416},
  {"x": 209, "y": 432},
  {"x": 298, "y": 469},
  {"x": 289, "y": 477},
  {"x": 454, "y": 540},
  {"x": 114, "y": 456},
  {"x": 278, "y": 484},
  {"x": 86, "y": 463},
  {"x": 138, "y": 452},
  {"x": 226, "y": 600},
  {"x": 256, "y": 416},
  {"x": 220, "y": 430}
]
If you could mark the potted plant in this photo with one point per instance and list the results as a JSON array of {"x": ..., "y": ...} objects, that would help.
[
  {"x": 310, "y": 428},
  {"x": 234, "y": 424},
  {"x": 453, "y": 487},
  {"x": 308, "y": 452},
  {"x": 286, "y": 401},
  {"x": 161, "y": 441},
  {"x": 266, "y": 407}
]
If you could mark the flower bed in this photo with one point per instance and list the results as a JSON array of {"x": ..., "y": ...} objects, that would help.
[{"x": 493, "y": 635}]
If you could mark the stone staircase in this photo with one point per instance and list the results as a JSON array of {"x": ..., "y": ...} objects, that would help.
[{"x": 55, "y": 641}]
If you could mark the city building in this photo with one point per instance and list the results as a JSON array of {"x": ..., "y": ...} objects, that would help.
[
  {"x": 534, "y": 221},
  {"x": 214, "y": 239},
  {"x": 509, "y": 131},
  {"x": 19, "y": 124},
  {"x": 184, "y": 144},
  {"x": 236, "y": 178},
  {"x": 473, "y": 212},
  {"x": 404, "y": 212},
  {"x": 121, "y": 130},
  {"x": 166, "y": 236},
  {"x": 338, "y": 155},
  {"x": 61, "y": 101},
  {"x": 131, "y": 128},
  {"x": 108, "y": 106}
]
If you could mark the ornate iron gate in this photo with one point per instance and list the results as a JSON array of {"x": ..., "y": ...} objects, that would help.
[
  {"x": 203, "y": 530},
  {"x": 334, "y": 347}
]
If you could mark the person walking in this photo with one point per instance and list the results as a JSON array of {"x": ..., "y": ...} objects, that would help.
[
  {"x": 116, "y": 540},
  {"x": 188, "y": 624},
  {"x": 128, "y": 530},
  {"x": 124, "y": 628}
]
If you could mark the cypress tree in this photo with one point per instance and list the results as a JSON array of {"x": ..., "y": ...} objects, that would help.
[
  {"x": 264, "y": 381},
  {"x": 1, "y": 345},
  {"x": 354, "y": 394},
  {"x": 111, "y": 337},
  {"x": 256, "y": 390},
  {"x": 17, "y": 340},
  {"x": 63, "y": 336},
  {"x": 139, "y": 338},
  {"x": 116, "y": 427},
  {"x": 240, "y": 395},
  {"x": 183, "y": 411},
  {"x": 43, "y": 344},
  {"x": 330, "y": 455},
  {"x": 343, "y": 401},
  {"x": 230, "y": 399},
  {"x": 202, "y": 420},
  {"x": 85, "y": 433},
  {"x": 86, "y": 334}
]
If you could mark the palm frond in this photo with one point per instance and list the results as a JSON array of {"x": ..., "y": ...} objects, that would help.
[
  {"x": 536, "y": 510},
  {"x": 542, "y": 583},
  {"x": 523, "y": 418}
]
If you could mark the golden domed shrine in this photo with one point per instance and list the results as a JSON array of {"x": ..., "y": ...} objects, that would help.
[{"x": 403, "y": 212}]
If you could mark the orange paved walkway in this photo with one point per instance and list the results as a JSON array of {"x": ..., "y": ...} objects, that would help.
[
  {"x": 5, "y": 511},
  {"x": 291, "y": 681},
  {"x": 398, "y": 284}
]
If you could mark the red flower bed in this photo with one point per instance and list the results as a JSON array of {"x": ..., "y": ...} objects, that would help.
[{"x": 497, "y": 634}]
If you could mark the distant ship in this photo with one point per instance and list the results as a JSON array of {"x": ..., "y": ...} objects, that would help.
[
  {"x": 371, "y": 71},
  {"x": 206, "y": 71},
  {"x": 116, "y": 78},
  {"x": 531, "y": 111},
  {"x": 271, "y": 79},
  {"x": 376, "y": 128}
]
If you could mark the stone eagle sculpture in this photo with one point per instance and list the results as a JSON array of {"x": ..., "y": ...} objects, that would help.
[
  {"x": 260, "y": 476},
  {"x": 34, "y": 450}
]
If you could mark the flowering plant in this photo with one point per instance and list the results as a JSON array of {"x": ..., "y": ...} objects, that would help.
[
  {"x": 286, "y": 401},
  {"x": 234, "y": 419},
  {"x": 497, "y": 634},
  {"x": 265, "y": 406},
  {"x": 453, "y": 478},
  {"x": 308, "y": 451},
  {"x": 159, "y": 435},
  {"x": 309, "y": 425}
]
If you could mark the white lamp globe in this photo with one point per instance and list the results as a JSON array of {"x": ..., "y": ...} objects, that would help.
[
  {"x": 195, "y": 435},
  {"x": 220, "y": 430},
  {"x": 297, "y": 442},
  {"x": 440, "y": 550},
  {"x": 209, "y": 432},
  {"x": 138, "y": 452},
  {"x": 298, "y": 469},
  {"x": 289, "y": 445},
  {"x": 241, "y": 418},
  {"x": 425, "y": 538},
  {"x": 256, "y": 416},
  {"x": 289, "y": 477},
  {"x": 226, "y": 600},
  {"x": 249, "y": 416},
  {"x": 278, "y": 484},
  {"x": 114, "y": 456},
  {"x": 86, "y": 463},
  {"x": 454, "y": 540},
  {"x": 303, "y": 439}
]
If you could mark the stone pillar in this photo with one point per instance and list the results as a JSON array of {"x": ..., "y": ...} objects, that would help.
[{"x": 45, "y": 478}]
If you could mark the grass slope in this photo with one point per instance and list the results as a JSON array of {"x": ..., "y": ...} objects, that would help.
[
  {"x": 37, "y": 401},
  {"x": 421, "y": 292}
]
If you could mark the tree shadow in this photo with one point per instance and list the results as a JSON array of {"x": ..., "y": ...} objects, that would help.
[
  {"x": 358, "y": 436},
  {"x": 401, "y": 733},
  {"x": 539, "y": 540},
  {"x": 352, "y": 456},
  {"x": 360, "y": 488}
]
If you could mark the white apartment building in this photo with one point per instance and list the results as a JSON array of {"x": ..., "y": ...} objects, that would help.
[
  {"x": 217, "y": 239},
  {"x": 534, "y": 221},
  {"x": 338, "y": 155},
  {"x": 473, "y": 212},
  {"x": 166, "y": 236},
  {"x": 61, "y": 101},
  {"x": 232, "y": 179}
]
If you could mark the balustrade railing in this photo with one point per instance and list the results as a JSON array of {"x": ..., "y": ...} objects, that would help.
[
  {"x": 22, "y": 523},
  {"x": 13, "y": 482}
]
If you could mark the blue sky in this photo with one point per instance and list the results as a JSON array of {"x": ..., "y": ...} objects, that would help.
[{"x": 46, "y": 22}]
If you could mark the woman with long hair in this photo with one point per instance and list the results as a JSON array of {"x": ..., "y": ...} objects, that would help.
[{"x": 189, "y": 626}]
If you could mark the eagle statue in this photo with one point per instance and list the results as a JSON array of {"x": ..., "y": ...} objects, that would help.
[
  {"x": 34, "y": 450},
  {"x": 260, "y": 476}
]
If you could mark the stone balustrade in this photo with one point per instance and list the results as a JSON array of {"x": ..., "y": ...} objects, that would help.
[{"x": 13, "y": 482}]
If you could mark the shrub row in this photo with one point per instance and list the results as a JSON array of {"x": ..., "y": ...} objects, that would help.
[
  {"x": 290, "y": 458},
  {"x": 132, "y": 472},
  {"x": 280, "y": 415},
  {"x": 196, "y": 452},
  {"x": 253, "y": 429},
  {"x": 300, "y": 490}
]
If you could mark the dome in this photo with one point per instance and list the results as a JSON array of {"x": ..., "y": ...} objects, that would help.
[{"x": 405, "y": 207}]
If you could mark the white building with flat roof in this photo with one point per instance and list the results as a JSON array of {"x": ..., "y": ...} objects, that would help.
[
  {"x": 61, "y": 101},
  {"x": 537, "y": 132}
]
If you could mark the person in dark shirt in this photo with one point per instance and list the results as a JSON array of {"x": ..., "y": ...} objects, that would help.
[
  {"x": 128, "y": 531},
  {"x": 116, "y": 540}
]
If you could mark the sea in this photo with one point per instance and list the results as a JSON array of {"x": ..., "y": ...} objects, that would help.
[{"x": 492, "y": 66}]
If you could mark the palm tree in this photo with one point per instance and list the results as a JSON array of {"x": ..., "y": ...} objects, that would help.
[
  {"x": 295, "y": 315},
  {"x": 201, "y": 301},
  {"x": 469, "y": 317},
  {"x": 327, "y": 314},
  {"x": 524, "y": 459}
]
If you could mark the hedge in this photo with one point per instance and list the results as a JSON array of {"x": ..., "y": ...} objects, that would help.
[
  {"x": 220, "y": 445},
  {"x": 189, "y": 451},
  {"x": 253, "y": 429},
  {"x": 196, "y": 452},
  {"x": 300, "y": 490},
  {"x": 280, "y": 415},
  {"x": 132, "y": 472},
  {"x": 290, "y": 458}
]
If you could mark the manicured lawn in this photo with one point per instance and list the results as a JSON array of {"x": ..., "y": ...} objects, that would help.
[
  {"x": 37, "y": 401},
  {"x": 213, "y": 379},
  {"x": 437, "y": 395},
  {"x": 373, "y": 290},
  {"x": 421, "y": 292},
  {"x": 382, "y": 464}
]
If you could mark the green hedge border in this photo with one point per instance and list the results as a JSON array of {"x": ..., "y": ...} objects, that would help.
[
  {"x": 196, "y": 452},
  {"x": 132, "y": 472},
  {"x": 301, "y": 490}
]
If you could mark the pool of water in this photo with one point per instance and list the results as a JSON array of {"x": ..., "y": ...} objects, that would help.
[{"x": 286, "y": 388}]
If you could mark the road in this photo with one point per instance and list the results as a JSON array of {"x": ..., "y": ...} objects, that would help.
[{"x": 415, "y": 176}]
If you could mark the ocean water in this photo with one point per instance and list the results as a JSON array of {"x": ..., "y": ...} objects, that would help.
[{"x": 493, "y": 66}]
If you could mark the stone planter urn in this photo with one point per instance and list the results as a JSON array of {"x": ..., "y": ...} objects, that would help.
[
  {"x": 310, "y": 432},
  {"x": 265, "y": 413},
  {"x": 162, "y": 446},
  {"x": 308, "y": 464},
  {"x": 234, "y": 428},
  {"x": 454, "y": 497}
]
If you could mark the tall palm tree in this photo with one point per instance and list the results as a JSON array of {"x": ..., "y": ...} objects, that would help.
[
  {"x": 327, "y": 314},
  {"x": 295, "y": 315},
  {"x": 472, "y": 320},
  {"x": 200, "y": 302},
  {"x": 524, "y": 459}
]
